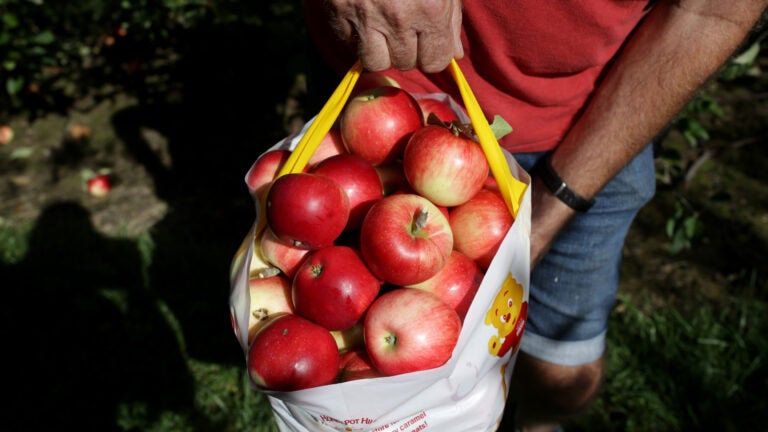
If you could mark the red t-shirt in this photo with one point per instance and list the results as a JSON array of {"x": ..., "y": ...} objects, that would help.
[{"x": 533, "y": 62}]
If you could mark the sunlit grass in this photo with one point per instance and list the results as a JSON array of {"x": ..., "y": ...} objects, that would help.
[{"x": 702, "y": 368}]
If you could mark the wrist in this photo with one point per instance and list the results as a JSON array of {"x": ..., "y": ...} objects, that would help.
[{"x": 558, "y": 187}]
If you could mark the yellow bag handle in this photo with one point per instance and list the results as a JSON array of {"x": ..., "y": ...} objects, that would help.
[
  {"x": 322, "y": 124},
  {"x": 317, "y": 130},
  {"x": 512, "y": 190}
]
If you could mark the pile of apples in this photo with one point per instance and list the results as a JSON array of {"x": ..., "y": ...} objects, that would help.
[{"x": 370, "y": 256}]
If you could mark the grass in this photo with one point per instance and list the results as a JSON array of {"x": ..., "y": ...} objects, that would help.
[{"x": 672, "y": 370}]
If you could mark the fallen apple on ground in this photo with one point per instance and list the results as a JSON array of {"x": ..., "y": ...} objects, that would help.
[
  {"x": 6, "y": 134},
  {"x": 99, "y": 185}
]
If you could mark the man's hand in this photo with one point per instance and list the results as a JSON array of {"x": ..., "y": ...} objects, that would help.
[{"x": 424, "y": 34}]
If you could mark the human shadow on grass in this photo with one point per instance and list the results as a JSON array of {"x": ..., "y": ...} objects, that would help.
[
  {"x": 89, "y": 339},
  {"x": 224, "y": 120}
]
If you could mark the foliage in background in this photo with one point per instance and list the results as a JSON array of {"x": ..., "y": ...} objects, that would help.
[
  {"x": 54, "y": 52},
  {"x": 678, "y": 163}
]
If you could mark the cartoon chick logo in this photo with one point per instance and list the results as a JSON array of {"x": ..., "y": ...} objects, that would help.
[{"x": 507, "y": 315}]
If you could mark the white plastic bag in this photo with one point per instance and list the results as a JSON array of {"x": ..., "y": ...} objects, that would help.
[{"x": 469, "y": 392}]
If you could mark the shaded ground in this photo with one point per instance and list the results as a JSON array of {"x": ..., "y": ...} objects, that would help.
[{"x": 100, "y": 320}]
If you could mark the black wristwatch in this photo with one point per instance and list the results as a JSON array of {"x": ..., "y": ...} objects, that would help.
[{"x": 557, "y": 186}]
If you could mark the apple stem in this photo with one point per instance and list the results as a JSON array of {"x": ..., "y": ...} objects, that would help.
[
  {"x": 420, "y": 220},
  {"x": 458, "y": 128},
  {"x": 391, "y": 339},
  {"x": 317, "y": 270}
]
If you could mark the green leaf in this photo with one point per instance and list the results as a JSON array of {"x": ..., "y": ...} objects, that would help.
[
  {"x": 37, "y": 51},
  {"x": 678, "y": 244},
  {"x": 749, "y": 56},
  {"x": 716, "y": 109},
  {"x": 670, "y": 227},
  {"x": 44, "y": 38},
  {"x": 500, "y": 127},
  {"x": 14, "y": 85},
  {"x": 10, "y": 20},
  {"x": 690, "y": 137},
  {"x": 692, "y": 227},
  {"x": 22, "y": 153},
  {"x": 698, "y": 129}
]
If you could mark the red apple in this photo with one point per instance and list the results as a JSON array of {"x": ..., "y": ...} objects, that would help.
[
  {"x": 99, "y": 185},
  {"x": 330, "y": 145},
  {"x": 371, "y": 80},
  {"x": 393, "y": 178},
  {"x": 6, "y": 134},
  {"x": 408, "y": 330},
  {"x": 442, "y": 110},
  {"x": 355, "y": 365},
  {"x": 360, "y": 181},
  {"x": 456, "y": 283},
  {"x": 349, "y": 338},
  {"x": 479, "y": 226},
  {"x": 258, "y": 266},
  {"x": 78, "y": 133},
  {"x": 444, "y": 165},
  {"x": 307, "y": 210},
  {"x": 491, "y": 183},
  {"x": 264, "y": 170},
  {"x": 405, "y": 239},
  {"x": 269, "y": 296},
  {"x": 377, "y": 123},
  {"x": 333, "y": 287},
  {"x": 291, "y": 353},
  {"x": 282, "y": 255}
]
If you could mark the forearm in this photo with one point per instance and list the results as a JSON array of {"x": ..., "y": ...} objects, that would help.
[{"x": 673, "y": 52}]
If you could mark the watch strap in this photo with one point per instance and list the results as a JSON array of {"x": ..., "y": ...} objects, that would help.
[{"x": 556, "y": 185}]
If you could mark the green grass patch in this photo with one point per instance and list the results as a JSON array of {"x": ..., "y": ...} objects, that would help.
[{"x": 703, "y": 367}]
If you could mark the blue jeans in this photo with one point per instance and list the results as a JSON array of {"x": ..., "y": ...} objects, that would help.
[{"x": 573, "y": 287}]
